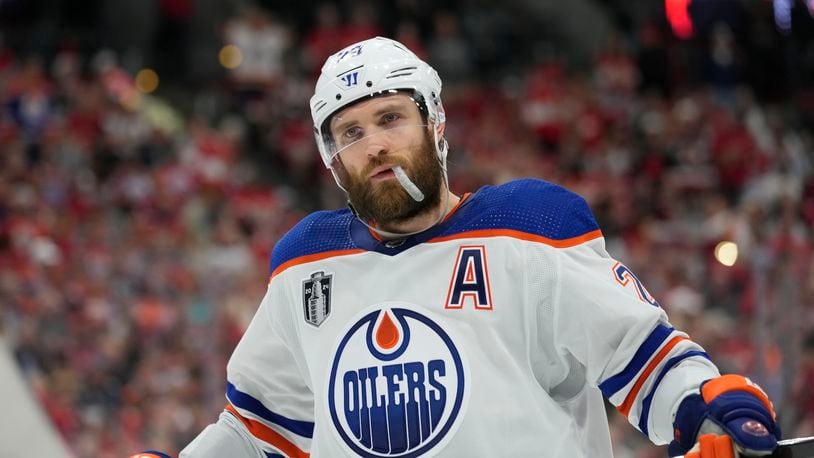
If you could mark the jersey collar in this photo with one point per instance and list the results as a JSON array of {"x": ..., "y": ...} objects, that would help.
[{"x": 366, "y": 239}]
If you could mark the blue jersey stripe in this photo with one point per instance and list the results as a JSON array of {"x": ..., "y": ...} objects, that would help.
[
  {"x": 529, "y": 205},
  {"x": 273, "y": 455},
  {"x": 316, "y": 233},
  {"x": 247, "y": 402},
  {"x": 649, "y": 398},
  {"x": 615, "y": 383}
]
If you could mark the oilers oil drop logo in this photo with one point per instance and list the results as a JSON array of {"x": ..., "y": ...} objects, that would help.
[{"x": 397, "y": 385}]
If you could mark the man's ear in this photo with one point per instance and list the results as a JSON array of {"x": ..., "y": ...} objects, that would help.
[{"x": 441, "y": 122}]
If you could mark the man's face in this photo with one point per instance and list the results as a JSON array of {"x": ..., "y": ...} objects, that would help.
[{"x": 374, "y": 136}]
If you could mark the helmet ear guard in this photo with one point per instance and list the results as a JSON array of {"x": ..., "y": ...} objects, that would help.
[{"x": 368, "y": 69}]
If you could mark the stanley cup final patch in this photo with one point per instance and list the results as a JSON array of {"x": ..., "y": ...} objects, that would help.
[{"x": 316, "y": 298}]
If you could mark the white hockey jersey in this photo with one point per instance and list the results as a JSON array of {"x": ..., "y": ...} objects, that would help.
[{"x": 494, "y": 333}]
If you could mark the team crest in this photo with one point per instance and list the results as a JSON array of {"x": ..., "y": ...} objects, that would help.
[
  {"x": 398, "y": 384},
  {"x": 316, "y": 298}
]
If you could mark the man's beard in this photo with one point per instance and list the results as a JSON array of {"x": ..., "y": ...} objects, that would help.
[{"x": 387, "y": 201}]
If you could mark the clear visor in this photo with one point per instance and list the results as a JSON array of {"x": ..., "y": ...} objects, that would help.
[{"x": 357, "y": 140}]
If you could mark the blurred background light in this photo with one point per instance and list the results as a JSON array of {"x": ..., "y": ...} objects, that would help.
[
  {"x": 679, "y": 16},
  {"x": 726, "y": 253},
  {"x": 230, "y": 56},
  {"x": 782, "y": 15},
  {"x": 146, "y": 80}
]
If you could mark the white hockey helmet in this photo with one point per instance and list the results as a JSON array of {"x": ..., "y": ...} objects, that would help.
[{"x": 366, "y": 69}]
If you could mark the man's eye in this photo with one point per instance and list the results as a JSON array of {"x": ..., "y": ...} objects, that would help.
[
  {"x": 352, "y": 132},
  {"x": 390, "y": 117}
]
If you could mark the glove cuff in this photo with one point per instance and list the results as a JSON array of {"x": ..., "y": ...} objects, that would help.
[{"x": 688, "y": 420}]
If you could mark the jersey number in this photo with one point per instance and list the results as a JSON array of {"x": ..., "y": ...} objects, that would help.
[{"x": 623, "y": 275}]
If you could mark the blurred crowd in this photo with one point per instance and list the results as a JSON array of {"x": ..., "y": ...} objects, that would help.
[{"x": 135, "y": 231}]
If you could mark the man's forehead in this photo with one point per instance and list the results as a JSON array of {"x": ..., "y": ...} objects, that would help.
[{"x": 368, "y": 106}]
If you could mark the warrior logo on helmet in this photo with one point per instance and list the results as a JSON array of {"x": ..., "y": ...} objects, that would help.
[{"x": 397, "y": 384}]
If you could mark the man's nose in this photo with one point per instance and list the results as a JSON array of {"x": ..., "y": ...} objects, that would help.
[{"x": 378, "y": 144}]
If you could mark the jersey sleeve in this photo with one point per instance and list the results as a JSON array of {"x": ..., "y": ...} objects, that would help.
[
  {"x": 607, "y": 320},
  {"x": 269, "y": 408}
]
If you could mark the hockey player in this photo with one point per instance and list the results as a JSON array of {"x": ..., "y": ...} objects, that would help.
[{"x": 422, "y": 323}]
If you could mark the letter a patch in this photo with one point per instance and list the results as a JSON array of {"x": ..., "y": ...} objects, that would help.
[{"x": 470, "y": 280}]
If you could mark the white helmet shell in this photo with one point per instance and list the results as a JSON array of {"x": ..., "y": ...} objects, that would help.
[{"x": 368, "y": 68}]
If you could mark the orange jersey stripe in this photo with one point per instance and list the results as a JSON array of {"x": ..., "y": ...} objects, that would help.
[
  {"x": 313, "y": 257},
  {"x": 457, "y": 206},
  {"x": 625, "y": 407},
  {"x": 565, "y": 243},
  {"x": 374, "y": 234},
  {"x": 263, "y": 432},
  {"x": 485, "y": 233}
]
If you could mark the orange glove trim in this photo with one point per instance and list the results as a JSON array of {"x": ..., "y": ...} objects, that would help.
[
  {"x": 713, "y": 446},
  {"x": 731, "y": 382}
]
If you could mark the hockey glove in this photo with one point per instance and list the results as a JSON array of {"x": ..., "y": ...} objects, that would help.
[{"x": 730, "y": 405}]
